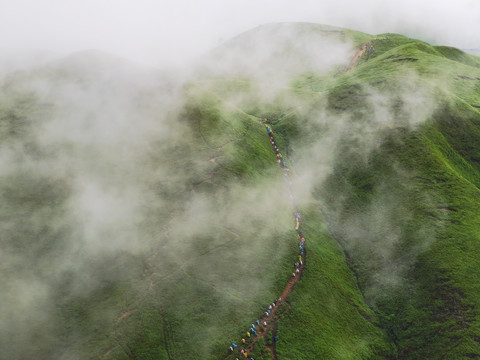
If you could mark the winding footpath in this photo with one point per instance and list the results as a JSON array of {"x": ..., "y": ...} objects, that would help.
[{"x": 262, "y": 326}]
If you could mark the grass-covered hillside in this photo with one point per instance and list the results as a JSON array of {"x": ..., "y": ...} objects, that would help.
[
  {"x": 401, "y": 188},
  {"x": 145, "y": 218}
]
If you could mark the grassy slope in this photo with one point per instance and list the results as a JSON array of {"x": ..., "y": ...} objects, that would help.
[
  {"x": 208, "y": 298},
  {"x": 328, "y": 316},
  {"x": 434, "y": 314}
]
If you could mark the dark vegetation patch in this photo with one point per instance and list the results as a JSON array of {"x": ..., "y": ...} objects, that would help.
[
  {"x": 400, "y": 58},
  {"x": 464, "y": 77},
  {"x": 405, "y": 59}
]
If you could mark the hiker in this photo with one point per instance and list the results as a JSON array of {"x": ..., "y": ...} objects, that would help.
[
  {"x": 274, "y": 338},
  {"x": 297, "y": 271},
  {"x": 248, "y": 333},
  {"x": 243, "y": 340},
  {"x": 234, "y": 345},
  {"x": 270, "y": 307},
  {"x": 255, "y": 332},
  {"x": 258, "y": 322},
  {"x": 231, "y": 349},
  {"x": 253, "y": 326},
  {"x": 264, "y": 323},
  {"x": 242, "y": 351}
]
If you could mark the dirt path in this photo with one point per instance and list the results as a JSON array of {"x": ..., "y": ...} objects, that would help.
[
  {"x": 272, "y": 319},
  {"x": 274, "y": 310}
]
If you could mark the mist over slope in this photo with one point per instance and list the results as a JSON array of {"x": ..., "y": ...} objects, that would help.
[
  {"x": 144, "y": 215},
  {"x": 21, "y": 59}
]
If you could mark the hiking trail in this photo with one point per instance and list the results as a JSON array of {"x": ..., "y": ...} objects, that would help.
[{"x": 261, "y": 327}]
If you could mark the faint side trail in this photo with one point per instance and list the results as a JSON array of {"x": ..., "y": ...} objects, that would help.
[{"x": 165, "y": 333}]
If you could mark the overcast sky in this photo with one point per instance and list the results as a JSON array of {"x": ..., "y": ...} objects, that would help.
[{"x": 163, "y": 32}]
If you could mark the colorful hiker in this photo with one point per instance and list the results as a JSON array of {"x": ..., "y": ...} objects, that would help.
[
  {"x": 275, "y": 338},
  {"x": 243, "y": 340},
  {"x": 248, "y": 333},
  {"x": 258, "y": 322}
]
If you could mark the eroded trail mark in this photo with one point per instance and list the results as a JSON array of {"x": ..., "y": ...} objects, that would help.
[{"x": 357, "y": 56}]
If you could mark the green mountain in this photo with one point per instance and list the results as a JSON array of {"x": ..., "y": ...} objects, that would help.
[{"x": 144, "y": 217}]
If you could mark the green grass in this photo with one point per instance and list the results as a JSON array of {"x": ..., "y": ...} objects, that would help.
[
  {"x": 328, "y": 316},
  {"x": 392, "y": 273},
  {"x": 424, "y": 183}
]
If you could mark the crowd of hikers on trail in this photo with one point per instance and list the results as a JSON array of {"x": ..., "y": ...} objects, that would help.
[{"x": 260, "y": 325}]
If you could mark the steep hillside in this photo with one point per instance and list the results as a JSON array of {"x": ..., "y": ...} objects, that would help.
[
  {"x": 144, "y": 218},
  {"x": 402, "y": 187}
]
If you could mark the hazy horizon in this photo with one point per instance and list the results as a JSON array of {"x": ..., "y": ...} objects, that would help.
[{"x": 174, "y": 33}]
